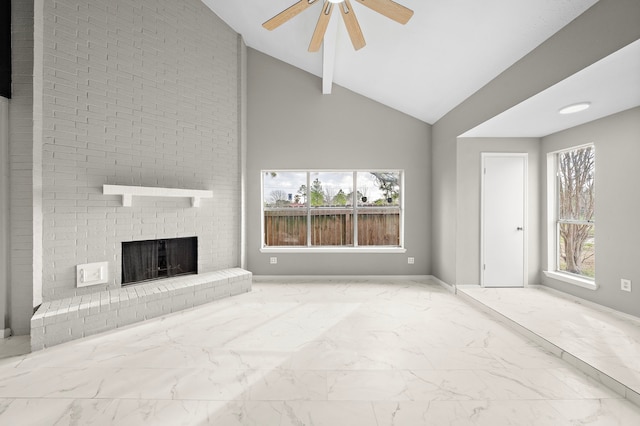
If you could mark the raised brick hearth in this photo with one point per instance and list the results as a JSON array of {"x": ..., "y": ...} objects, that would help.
[{"x": 62, "y": 320}]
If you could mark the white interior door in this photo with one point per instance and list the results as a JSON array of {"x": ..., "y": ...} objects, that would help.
[{"x": 503, "y": 251}]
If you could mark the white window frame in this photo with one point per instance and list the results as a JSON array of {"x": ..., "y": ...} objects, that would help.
[
  {"x": 553, "y": 224},
  {"x": 333, "y": 249}
]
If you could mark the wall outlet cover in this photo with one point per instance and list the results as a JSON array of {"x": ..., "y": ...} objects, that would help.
[
  {"x": 625, "y": 285},
  {"x": 273, "y": 260},
  {"x": 411, "y": 260},
  {"x": 92, "y": 273}
]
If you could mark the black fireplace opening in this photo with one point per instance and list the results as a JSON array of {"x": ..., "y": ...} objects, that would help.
[{"x": 156, "y": 259}]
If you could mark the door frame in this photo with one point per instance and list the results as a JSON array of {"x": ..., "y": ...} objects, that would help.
[{"x": 525, "y": 225}]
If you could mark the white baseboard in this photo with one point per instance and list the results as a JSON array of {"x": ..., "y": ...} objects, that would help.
[
  {"x": 354, "y": 278},
  {"x": 5, "y": 333},
  {"x": 448, "y": 287}
]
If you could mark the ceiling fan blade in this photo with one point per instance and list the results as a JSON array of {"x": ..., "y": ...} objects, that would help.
[
  {"x": 287, "y": 14},
  {"x": 351, "y": 22},
  {"x": 321, "y": 27},
  {"x": 390, "y": 9}
]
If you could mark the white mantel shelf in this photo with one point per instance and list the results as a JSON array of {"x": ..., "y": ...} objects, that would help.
[{"x": 128, "y": 192}]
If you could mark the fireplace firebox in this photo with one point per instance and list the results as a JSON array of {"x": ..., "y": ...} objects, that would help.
[{"x": 156, "y": 259}]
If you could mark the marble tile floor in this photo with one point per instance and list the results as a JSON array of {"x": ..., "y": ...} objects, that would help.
[
  {"x": 309, "y": 353},
  {"x": 602, "y": 342}
]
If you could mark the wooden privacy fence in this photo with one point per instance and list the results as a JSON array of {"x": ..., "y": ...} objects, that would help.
[{"x": 332, "y": 227}]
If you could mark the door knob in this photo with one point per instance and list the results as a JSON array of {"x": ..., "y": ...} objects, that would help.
[{"x": 519, "y": 228}]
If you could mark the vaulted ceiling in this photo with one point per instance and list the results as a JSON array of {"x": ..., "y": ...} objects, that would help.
[{"x": 446, "y": 52}]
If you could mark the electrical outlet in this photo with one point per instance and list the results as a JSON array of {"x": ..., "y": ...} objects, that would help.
[
  {"x": 411, "y": 260},
  {"x": 273, "y": 260},
  {"x": 625, "y": 285}
]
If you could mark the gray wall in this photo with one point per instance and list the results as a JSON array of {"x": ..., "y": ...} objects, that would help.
[
  {"x": 4, "y": 213},
  {"x": 603, "y": 29},
  {"x": 469, "y": 194},
  {"x": 617, "y": 143},
  {"x": 292, "y": 125},
  {"x": 24, "y": 171}
]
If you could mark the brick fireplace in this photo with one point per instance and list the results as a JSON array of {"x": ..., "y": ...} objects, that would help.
[{"x": 122, "y": 103}]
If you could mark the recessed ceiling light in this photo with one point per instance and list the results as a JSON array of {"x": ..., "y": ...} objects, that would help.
[{"x": 570, "y": 109}]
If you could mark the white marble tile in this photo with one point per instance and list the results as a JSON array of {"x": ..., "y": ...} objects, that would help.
[
  {"x": 389, "y": 385},
  {"x": 599, "y": 412},
  {"x": 325, "y": 354},
  {"x": 320, "y": 353},
  {"x": 55, "y": 411},
  {"x": 519, "y": 384},
  {"x": 289, "y": 385},
  {"x": 14, "y": 346},
  {"x": 583, "y": 385},
  {"x": 391, "y": 358},
  {"x": 327, "y": 413},
  {"x": 625, "y": 369},
  {"x": 448, "y": 385},
  {"x": 466, "y": 412},
  {"x": 132, "y": 412},
  {"x": 467, "y": 358},
  {"x": 510, "y": 412},
  {"x": 597, "y": 340},
  {"x": 169, "y": 413},
  {"x": 405, "y": 385},
  {"x": 180, "y": 384},
  {"x": 419, "y": 413},
  {"x": 240, "y": 413},
  {"x": 329, "y": 354},
  {"x": 212, "y": 358},
  {"x": 525, "y": 357},
  {"x": 51, "y": 383}
]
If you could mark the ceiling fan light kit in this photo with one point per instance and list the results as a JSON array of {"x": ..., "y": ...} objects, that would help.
[{"x": 388, "y": 8}]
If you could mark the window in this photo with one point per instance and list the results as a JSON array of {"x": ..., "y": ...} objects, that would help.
[
  {"x": 575, "y": 212},
  {"x": 332, "y": 209}
]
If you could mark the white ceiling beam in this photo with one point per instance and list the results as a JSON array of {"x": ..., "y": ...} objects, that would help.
[{"x": 329, "y": 53}]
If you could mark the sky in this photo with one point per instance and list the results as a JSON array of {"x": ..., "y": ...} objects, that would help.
[{"x": 333, "y": 181}]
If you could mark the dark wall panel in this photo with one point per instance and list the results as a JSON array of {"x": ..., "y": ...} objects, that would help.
[{"x": 5, "y": 48}]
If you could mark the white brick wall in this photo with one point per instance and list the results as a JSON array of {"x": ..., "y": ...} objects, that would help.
[
  {"x": 21, "y": 168},
  {"x": 136, "y": 92}
]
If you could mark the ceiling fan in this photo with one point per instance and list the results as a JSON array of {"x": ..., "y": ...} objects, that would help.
[{"x": 388, "y": 8}]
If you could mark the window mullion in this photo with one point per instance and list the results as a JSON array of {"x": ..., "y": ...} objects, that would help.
[
  {"x": 557, "y": 203},
  {"x": 401, "y": 208},
  {"x": 354, "y": 202},
  {"x": 577, "y": 222},
  {"x": 308, "y": 209}
]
